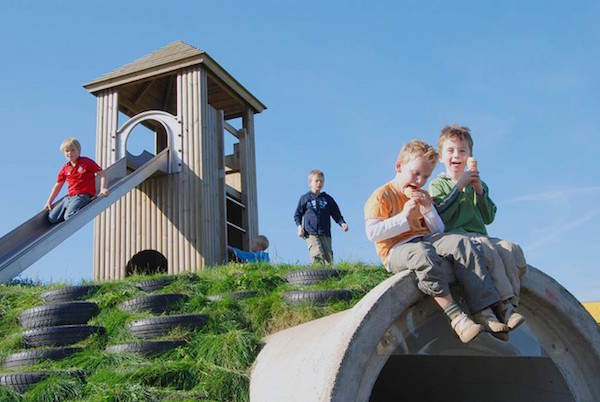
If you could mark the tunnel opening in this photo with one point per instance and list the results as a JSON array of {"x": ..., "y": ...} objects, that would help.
[
  {"x": 147, "y": 262},
  {"x": 427, "y": 362}
]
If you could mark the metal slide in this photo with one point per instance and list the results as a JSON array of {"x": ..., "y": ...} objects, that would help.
[{"x": 33, "y": 239}]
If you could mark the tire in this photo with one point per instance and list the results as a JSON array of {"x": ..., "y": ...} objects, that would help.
[
  {"x": 21, "y": 382},
  {"x": 69, "y": 293},
  {"x": 153, "y": 303},
  {"x": 243, "y": 294},
  {"x": 154, "y": 284},
  {"x": 311, "y": 276},
  {"x": 239, "y": 295},
  {"x": 60, "y": 335},
  {"x": 157, "y": 326},
  {"x": 317, "y": 297},
  {"x": 34, "y": 356},
  {"x": 65, "y": 313},
  {"x": 146, "y": 348}
]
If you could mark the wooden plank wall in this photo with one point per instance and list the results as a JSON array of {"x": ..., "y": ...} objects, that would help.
[
  {"x": 248, "y": 176},
  {"x": 106, "y": 127},
  {"x": 180, "y": 215}
]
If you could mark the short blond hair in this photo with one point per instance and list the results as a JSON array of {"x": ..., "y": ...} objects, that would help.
[
  {"x": 262, "y": 242},
  {"x": 455, "y": 131},
  {"x": 316, "y": 172},
  {"x": 417, "y": 148},
  {"x": 70, "y": 142}
]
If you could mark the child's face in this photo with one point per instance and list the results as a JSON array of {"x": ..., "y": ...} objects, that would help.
[
  {"x": 316, "y": 183},
  {"x": 415, "y": 173},
  {"x": 454, "y": 154},
  {"x": 71, "y": 154},
  {"x": 256, "y": 246}
]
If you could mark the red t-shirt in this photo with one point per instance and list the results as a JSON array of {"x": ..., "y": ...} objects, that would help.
[{"x": 81, "y": 178}]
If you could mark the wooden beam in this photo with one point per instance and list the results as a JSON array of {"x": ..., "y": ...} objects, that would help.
[
  {"x": 232, "y": 95},
  {"x": 167, "y": 93},
  {"x": 236, "y": 227},
  {"x": 144, "y": 88},
  {"x": 233, "y": 193},
  {"x": 233, "y": 163},
  {"x": 234, "y": 131}
]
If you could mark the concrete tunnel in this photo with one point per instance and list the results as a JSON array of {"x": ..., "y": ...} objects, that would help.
[{"x": 396, "y": 345}]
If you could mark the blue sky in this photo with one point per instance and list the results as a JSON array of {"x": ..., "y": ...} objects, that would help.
[{"x": 346, "y": 84}]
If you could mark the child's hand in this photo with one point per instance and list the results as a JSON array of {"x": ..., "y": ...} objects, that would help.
[
  {"x": 300, "y": 231},
  {"x": 103, "y": 192},
  {"x": 48, "y": 206},
  {"x": 465, "y": 179},
  {"x": 344, "y": 227},
  {"x": 422, "y": 199},
  {"x": 411, "y": 209},
  {"x": 476, "y": 182}
]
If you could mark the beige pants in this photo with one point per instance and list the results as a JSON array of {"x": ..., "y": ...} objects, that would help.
[
  {"x": 506, "y": 264},
  {"x": 319, "y": 248},
  {"x": 429, "y": 258}
]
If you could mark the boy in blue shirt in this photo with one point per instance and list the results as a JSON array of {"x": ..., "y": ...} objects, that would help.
[
  {"x": 312, "y": 218},
  {"x": 257, "y": 251}
]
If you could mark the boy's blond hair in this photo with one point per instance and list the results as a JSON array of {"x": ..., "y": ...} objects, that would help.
[
  {"x": 417, "y": 148},
  {"x": 70, "y": 142},
  {"x": 455, "y": 131},
  {"x": 262, "y": 242},
  {"x": 316, "y": 172}
]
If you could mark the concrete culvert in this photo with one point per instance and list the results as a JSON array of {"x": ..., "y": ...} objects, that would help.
[
  {"x": 147, "y": 262},
  {"x": 395, "y": 344}
]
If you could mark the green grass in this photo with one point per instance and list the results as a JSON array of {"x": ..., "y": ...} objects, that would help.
[{"x": 213, "y": 366}]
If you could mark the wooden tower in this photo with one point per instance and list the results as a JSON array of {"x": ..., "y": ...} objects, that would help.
[{"x": 189, "y": 216}]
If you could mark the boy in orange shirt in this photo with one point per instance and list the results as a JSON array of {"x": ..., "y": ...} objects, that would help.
[{"x": 408, "y": 234}]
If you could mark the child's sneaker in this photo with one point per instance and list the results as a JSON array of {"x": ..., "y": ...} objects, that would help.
[
  {"x": 465, "y": 328},
  {"x": 488, "y": 319},
  {"x": 511, "y": 317},
  {"x": 514, "y": 320}
]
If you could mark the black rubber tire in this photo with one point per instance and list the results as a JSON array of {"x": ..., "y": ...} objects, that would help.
[
  {"x": 146, "y": 348},
  {"x": 317, "y": 297},
  {"x": 239, "y": 295},
  {"x": 154, "y": 284},
  {"x": 154, "y": 303},
  {"x": 59, "y": 336},
  {"x": 34, "y": 356},
  {"x": 69, "y": 293},
  {"x": 21, "y": 382},
  {"x": 243, "y": 294},
  {"x": 311, "y": 276},
  {"x": 65, "y": 313},
  {"x": 158, "y": 326}
]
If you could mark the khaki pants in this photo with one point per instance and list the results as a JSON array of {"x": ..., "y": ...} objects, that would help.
[
  {"x": 495, "y": 266},
  {"x": 506, "y": 263},
  {"x": 436, "y": 258},
  {"x": 514, "y": 263},
  {"x": 319, "y": 248}
]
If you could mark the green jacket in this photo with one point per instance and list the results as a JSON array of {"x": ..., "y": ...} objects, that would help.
[{"x": 462, "y": 211}]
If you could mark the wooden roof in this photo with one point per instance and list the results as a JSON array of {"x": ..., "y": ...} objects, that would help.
[{"x": 168, "y": 59}]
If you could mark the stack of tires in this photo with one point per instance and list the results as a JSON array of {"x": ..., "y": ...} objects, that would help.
[
  {"x": 149, "y": 328},
  {"x": 50, "y": 329},
  {"x": 307, "y": 277}
]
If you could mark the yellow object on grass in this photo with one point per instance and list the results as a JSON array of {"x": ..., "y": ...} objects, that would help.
[{"x": 594, "y": 309}]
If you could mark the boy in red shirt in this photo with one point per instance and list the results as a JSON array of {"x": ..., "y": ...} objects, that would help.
[{"x": 80, "y": 173}]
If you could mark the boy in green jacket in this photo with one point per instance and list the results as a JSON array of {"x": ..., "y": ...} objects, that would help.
[{"x": 464, "y": 204}]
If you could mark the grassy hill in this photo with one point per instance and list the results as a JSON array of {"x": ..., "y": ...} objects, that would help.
[{"x": 213, "y": 365}]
